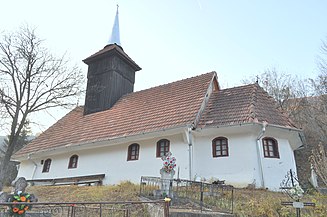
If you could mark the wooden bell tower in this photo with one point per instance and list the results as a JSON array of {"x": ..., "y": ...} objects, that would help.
[{"x": 111, "y": 74}]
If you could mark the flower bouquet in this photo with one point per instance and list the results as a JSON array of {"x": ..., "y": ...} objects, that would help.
[
  {"x": 296, "y": 192},
  {"x": 169, "y": 163},
  {"x": 19, "y": 206}
]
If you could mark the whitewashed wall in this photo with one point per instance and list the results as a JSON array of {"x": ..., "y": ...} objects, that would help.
[
  {"x": 112, "y": 161},
  {"x": 240, "y": 168},
  {"x": 275, "y": 169}
]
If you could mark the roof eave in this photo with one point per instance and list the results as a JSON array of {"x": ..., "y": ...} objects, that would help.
[
  {"x": 101, "y": 54},
  {"x": 296, "y": 140},
  {"x": 251, "y": 123},
  {"x": 102, "y": 142}
]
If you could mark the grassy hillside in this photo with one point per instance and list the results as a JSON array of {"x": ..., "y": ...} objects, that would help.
[
  {"x": 254, "y": 203},
  {"x": 122, "y": 192}
]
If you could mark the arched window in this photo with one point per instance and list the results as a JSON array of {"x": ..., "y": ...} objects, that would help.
[
  {"x": 220, "y": 147},
  {"x": 46, "y": 165},
  {"x": 162, "y": 147},
  {"x": 133, "y": 152},
  {"x": 270, "y": 147},
  {"x": 73, "y": 162}
]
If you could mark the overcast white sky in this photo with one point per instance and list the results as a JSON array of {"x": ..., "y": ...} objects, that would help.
[{"x": 172, "y": 40}]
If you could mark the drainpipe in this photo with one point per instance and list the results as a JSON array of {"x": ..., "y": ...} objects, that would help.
[
  {"x": 35, "y": 166},
  {"x": 259, "y": 154},
  {"x": 190, "y": 146}
]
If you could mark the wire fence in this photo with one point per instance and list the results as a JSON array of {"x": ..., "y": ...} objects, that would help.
[
  {"x": 158, "y": 208},
  {"x": 189, "y": 194}
]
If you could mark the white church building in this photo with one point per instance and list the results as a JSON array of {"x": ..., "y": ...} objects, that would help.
[{"x": 237, "y": 134}]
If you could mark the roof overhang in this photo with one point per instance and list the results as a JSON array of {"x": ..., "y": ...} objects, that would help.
[
  {"x": 293, "y": 135},
  {"x": 106, "y": 142},
  {"x": 110, "y": 50}
]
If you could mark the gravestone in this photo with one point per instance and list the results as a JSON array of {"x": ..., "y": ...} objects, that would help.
[
  {"x": 19, "y": 200},
  {"x": 3, "y": 195}
]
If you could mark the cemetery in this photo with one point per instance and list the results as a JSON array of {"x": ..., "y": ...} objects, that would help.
[
  {"x": 164, "y": 196},
  {"x": 224, "y": 151}
]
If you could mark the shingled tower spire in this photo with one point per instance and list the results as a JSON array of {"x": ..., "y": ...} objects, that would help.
[{"x": 111, "y": 74}]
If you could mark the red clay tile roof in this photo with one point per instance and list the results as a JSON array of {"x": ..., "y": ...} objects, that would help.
[
  {"x": 108, "y": 49},
  {"x": 243, "y": 104},
  {"x": 163, "y": 107}
]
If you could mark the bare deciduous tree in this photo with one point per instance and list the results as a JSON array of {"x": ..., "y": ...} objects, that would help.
[
  {"x": 318, "y": 113},
  {"x": 322, "y": 65},
  {"x": 305, "y": 102},
  {"x": 318, "y": 160},
  {"x": 281, "y": 86},
  {"x": 31, "y": 80}
]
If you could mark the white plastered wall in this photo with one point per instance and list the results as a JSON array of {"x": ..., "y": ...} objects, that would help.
[
  {"x": 275, "y": 169},
  {"x": 238, "y": 169},
  {"x": 112, "y": 161},
  {"x": 242, "y": 167}
]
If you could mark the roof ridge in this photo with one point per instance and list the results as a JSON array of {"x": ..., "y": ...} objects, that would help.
[
  {"x": 174, "y": 82},
  {"x": 242, "y": 86},
  {"x": 289, "y": 120},
  {"x": 278, "y": 107},
  {"x": 252, "y": 111},
  {"x": 159, "y": 86},
  {"x": 205, "y": 101}
]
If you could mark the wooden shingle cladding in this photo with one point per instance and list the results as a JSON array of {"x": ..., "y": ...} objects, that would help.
[{"x": 111, "y": 74}]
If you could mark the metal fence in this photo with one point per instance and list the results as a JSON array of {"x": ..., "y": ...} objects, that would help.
[
  {"x": 108, "y": 209},
  {"x": 190, "y": 194}
]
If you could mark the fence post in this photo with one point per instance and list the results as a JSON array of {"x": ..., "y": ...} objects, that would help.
[
  {"x": 166, "y": 206},
  {"x": 73, "y": 211},
  {"x": 232, "y": 200},
  {"x": 127, "y": 212},
  {"x": 141, "y": 185},
  {"x": 201, "y": 196}
]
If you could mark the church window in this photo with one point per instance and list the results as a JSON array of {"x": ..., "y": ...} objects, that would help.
[
  {"x": 162, "y": 147},
  {"x": 270, "y": 147},
  {"x": 220, "y": 147},
  {"x": 73, "y": 162},
  {"x": 46, "y": 166},
  {"x": 133, "y": 152}
]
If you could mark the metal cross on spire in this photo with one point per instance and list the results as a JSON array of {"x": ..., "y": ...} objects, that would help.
[{"x": 115, "y": 36}]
